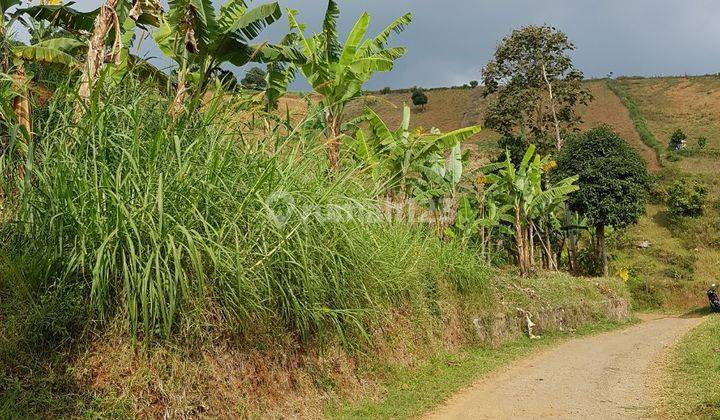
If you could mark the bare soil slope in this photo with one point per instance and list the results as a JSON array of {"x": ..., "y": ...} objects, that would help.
[
  {"x": 608, "y": 376},
  {"x": 450, "y": 109},
  {"x": 606, "y": 108}
]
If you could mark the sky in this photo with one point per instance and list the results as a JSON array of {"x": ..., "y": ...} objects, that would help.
[{"x": 450, "y": 41}]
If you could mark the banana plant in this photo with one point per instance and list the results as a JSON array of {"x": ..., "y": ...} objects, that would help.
[
  {"x": 338, "y": 72},
  {"x": 523, "y": 189},
  {"x": 117, "y": 17},
  {"x": 391, "y": 156},
  {"x": 196, "y": 36},
  {"x": 436, "y": 187}
]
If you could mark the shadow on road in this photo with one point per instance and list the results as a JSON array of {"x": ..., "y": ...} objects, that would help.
[{"x": 697, "y": 313}]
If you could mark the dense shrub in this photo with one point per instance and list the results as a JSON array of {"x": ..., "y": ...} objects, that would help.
[
  {"x": 419, "y": 98},
  {"x": 687, "y": 198},
  {"x": 702, "y": 142},
  {"x": 677, "y": 140}
]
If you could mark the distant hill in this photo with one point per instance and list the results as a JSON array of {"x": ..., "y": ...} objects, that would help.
[{"x": 449, "y": 109}]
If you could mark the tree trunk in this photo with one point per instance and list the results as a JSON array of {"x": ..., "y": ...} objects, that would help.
[
  {"x": 181, "y": 95},
  {"x": 333, "y": 140},
  {"x": 520, "y": 244},
  {"x": 21, "y": 102},
  {"x": 105, "y": 20},
  {"x": 531, "y": 244},
  {"x": 601, "y": 254},
  {"x": 558, "y": 139}
]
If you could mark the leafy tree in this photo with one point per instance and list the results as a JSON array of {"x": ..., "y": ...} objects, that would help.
[
  {"x": 337, "y": 72},
  {"x": 386, "y": 90},
  {"x": 226, "y": 78},
  {"x": 419, "y": 98},
  {"x": 536, "y": 86},
  {"x": 474, "y": 84},
  {"x": 677, "y": 140},
  {"x": 613, "y": 182},
  {"x": 524, "y": 189},
  {"x": 687, "y": 198},
  {"x": 255, "y": 79}
]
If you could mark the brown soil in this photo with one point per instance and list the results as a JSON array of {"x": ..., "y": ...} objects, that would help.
[
  {"x": 606, "y": 108},
  {"x": 606, "y": 376}
]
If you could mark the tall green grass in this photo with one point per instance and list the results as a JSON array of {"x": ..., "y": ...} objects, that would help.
[{"x": 181, "y": 226}]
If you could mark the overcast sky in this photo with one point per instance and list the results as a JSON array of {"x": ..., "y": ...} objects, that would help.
[{"x": 450, "y": 40}]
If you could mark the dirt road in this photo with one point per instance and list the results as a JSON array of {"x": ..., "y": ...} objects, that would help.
[{"x": 607, "y": 376}]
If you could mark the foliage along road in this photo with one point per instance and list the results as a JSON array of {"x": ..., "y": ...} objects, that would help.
[{"x": 607, "y": 376}]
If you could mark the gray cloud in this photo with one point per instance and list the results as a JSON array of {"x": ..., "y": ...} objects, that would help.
[{"x": 449, "y": 41}]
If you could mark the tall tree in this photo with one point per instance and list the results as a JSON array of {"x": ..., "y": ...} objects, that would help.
[
  {"x": 613, "y": 182},
  {"x": 337, "y": 72},
  {"x": 535, "y": 86}
]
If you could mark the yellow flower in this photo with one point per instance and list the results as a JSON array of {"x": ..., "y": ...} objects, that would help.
[
  {"x": 549, "y": 166},
  {"x": 482, "y": 179},
  {"x": 624, "y": 274}
]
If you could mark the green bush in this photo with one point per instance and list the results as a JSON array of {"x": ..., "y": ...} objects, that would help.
[
  {"x": 677, "y": 140},
  {"x": 702, "y": 142},
  {"x": 687, "y": 198},
  {"x": 386, "y": 90}
]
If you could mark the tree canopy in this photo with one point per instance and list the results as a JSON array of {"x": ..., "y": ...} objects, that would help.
[
  {"x": 613, "y": 177},
  {"x": 535, "y": 86},
  {"x": 613, "y": 180},
  {"x": 255, "y": 79}
]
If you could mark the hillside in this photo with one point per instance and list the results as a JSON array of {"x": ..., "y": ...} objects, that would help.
[
  {"x": 449, "y": 109},
  {"x": 679, "y": 264}
]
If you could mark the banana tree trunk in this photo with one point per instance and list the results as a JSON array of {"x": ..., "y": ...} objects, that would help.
[
  {"x": 104, "y": 22},
  {"x": 21, "y": 102},
  {"x": 333, "y": 138},
  {"x": 181, "y": 94},
  {"x": 520, "y": 243}
]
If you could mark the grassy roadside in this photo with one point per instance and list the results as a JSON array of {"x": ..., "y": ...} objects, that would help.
[
  {"x": 692, "y": 387},
  {"x": 640, "y": 124},
  {"x": 410, "y": 392}
]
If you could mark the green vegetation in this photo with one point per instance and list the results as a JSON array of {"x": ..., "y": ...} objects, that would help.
[
  {"x": 338, "y": 72},
  {"x": 536, "y": 87},
  {"x": 691, "y": 387},
  {"x": 640, "y": 124},
  {"x": 170, "y": 239},
  {"x": 419, "y": 99},
  {"x": 612, "y": 179},
  {"x": 255, "y": 79},
  {"x": 686, "y": 198},
  {"x": 677, "y": 140}
]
